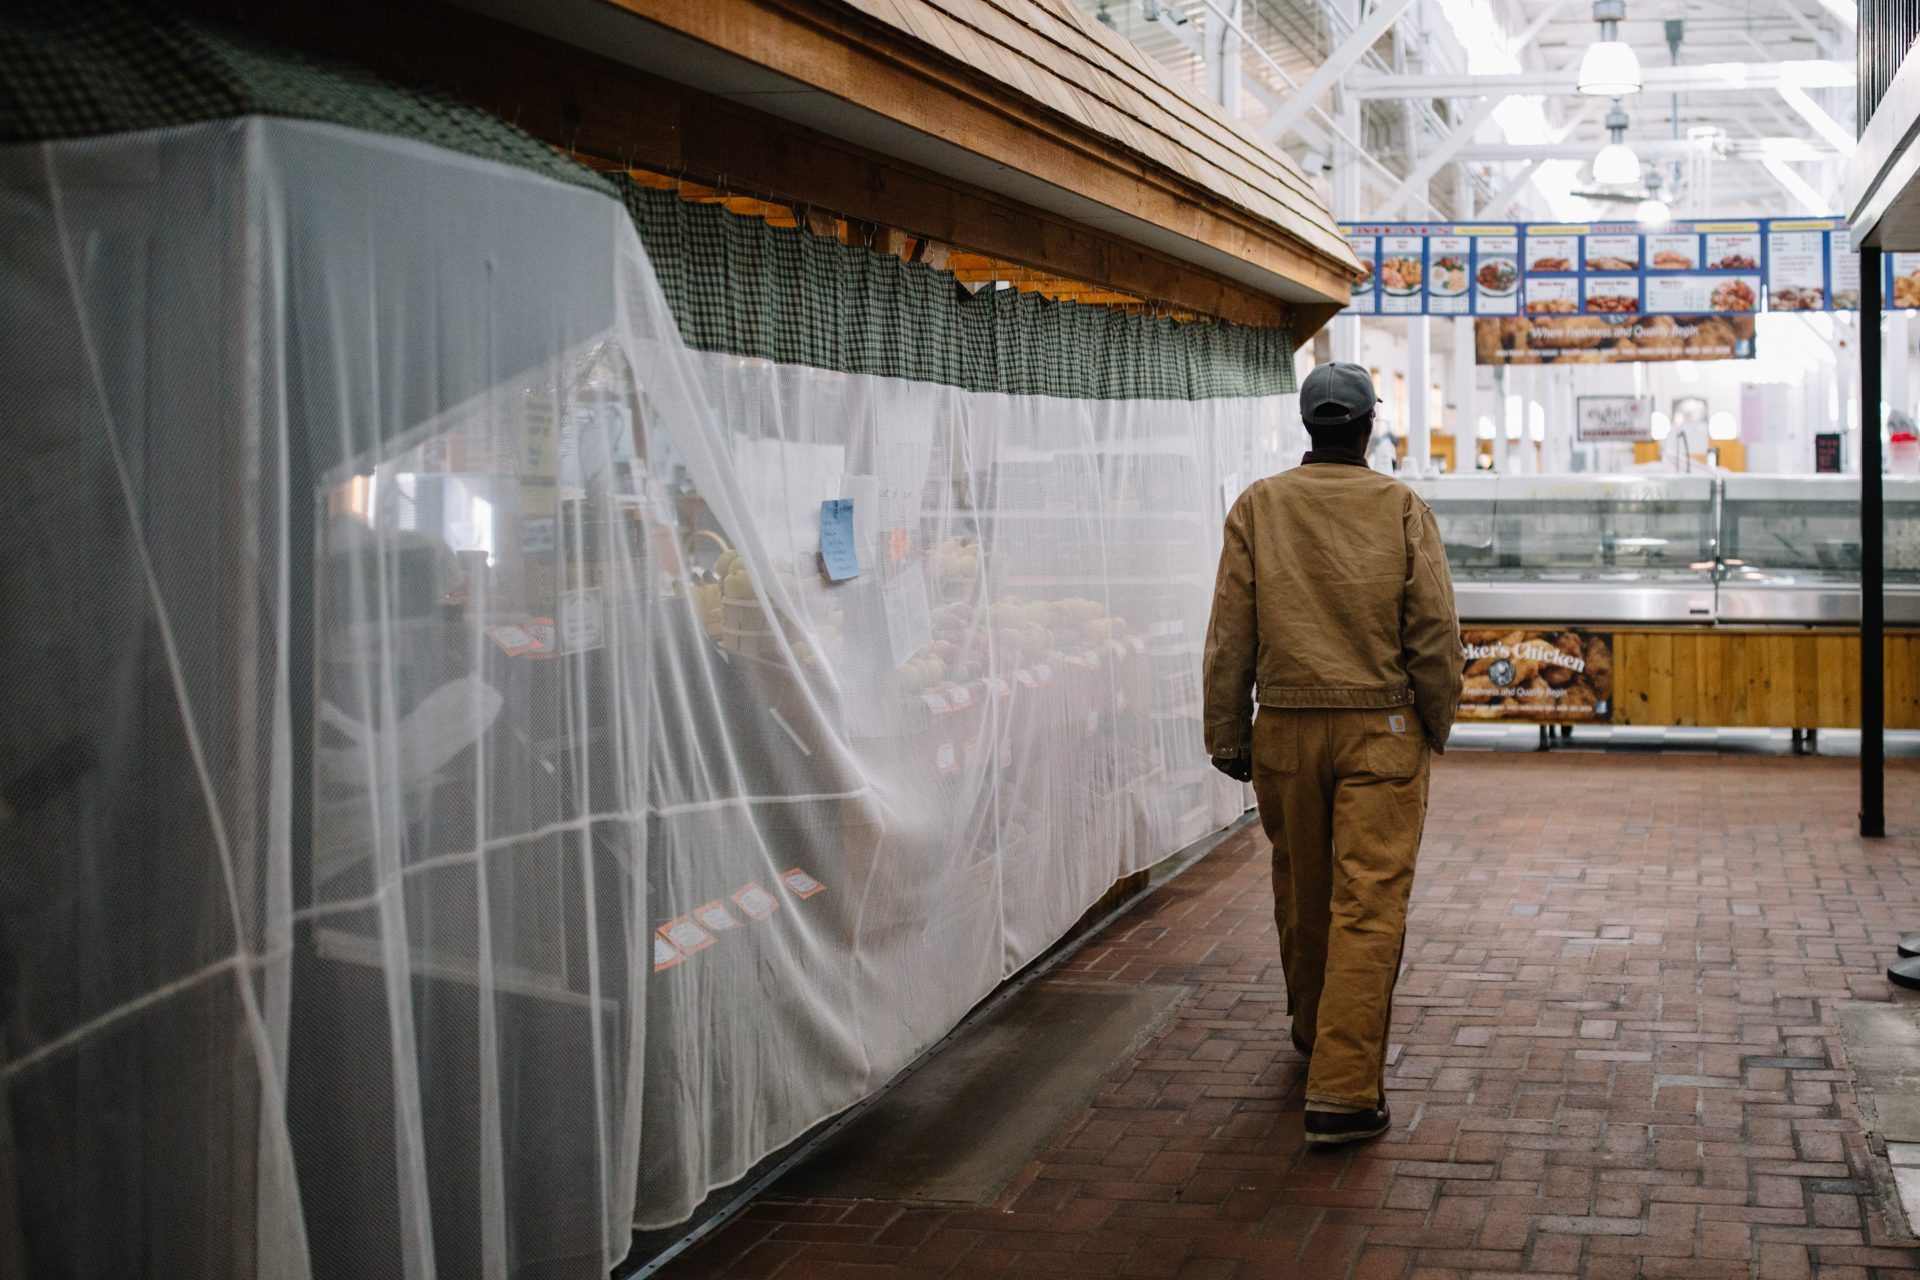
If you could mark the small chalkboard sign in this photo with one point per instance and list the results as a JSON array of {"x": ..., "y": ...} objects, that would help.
[{"x": 1826, "y": 453}]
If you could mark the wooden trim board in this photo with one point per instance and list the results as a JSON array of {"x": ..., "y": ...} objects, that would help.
[{"x": 1757, "y": 678}]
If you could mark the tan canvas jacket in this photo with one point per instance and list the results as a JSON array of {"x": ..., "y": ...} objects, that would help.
[{"x": 1333, "y": 592}]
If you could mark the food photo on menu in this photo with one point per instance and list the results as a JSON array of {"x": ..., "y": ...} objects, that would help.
[
  {"x": 1498, "y": 277},
  {"x": 1733, "y": 295},
  {"x": 1449, "y": 275},
  {"x": 1733, "y": 251},
  {"x": 1401, "y": 275},
  {"x": 1613, "y": 253},
  {"x": 1673, "y": 253},
  {"x": 1613, "y": 297},
  {"x": 1551, "y": 297},
  {"x": 1552, "y": 252},
  {"x": 1797, "y": 298}
]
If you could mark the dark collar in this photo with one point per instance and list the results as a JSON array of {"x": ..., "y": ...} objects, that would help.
[{"x": 1347, "y": 456}]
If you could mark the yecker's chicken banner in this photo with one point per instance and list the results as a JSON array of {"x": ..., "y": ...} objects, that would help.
[{"x": 1544, "y": 676}]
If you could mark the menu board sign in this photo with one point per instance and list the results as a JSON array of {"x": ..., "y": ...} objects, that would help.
[
  {"x": 1618, "y": 339},
  {"x": 1616, "y": 269},
  {"x": 1546, "y": 676},
  {"x": 1827, "y": 457},
  {"x": 1613, "y": 419}
]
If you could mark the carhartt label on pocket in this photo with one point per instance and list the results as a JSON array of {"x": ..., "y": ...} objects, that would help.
[{"x": 1397, "y": 723}]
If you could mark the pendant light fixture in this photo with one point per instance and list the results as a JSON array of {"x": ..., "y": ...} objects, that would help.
[
  {"x": 1616, "y": 165},
  {"x": 1652, "y": 212},
  {"x": 1609, "y": 69}
]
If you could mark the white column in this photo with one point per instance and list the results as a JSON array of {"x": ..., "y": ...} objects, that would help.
[
  {"x": 1466, "y": 431},
  {"x": 1506, "y": 387},
  {"x": 1346, "y": 206},
  {"x": 1846, "y": 369},
  {"x": 1222, "y": 52},
  {"x": 1553, "y": 395},
  {"x": 1524, "y": 455},
  {"x": 1895, "y": 368},
  {"x": 1813, "y": 419},
  {"x": 1419, "y": 427}
]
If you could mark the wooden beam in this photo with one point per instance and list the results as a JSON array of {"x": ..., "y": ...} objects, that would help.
[{"x": 598, "y": 108}]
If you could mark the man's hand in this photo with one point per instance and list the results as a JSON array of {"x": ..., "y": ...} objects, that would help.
[{"x": 1239, "y": 768}]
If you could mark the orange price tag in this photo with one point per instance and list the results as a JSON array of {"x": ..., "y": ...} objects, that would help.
[
  {"x": 755, "y": 901},
  {"x": 802, "y": 884},
  {"x": 683, "y": 933}
]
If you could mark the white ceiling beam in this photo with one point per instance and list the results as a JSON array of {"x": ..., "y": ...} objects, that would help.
[
  {"x": 1847, "y": 11},
  {"x": 1429, "y": 164},
  {"x": 1811, "y": 201},
  {"x": 1815, "y": 115},
  {"x": 1702, "y": 78},
  {"x": 1738, "y": 148},
  {"x": 1497, "y": 206},
  {"x": 1792, "y": 9},
  {"x": 1338, "y": 63},
  {"x": 1312, "y": 134},
  {"x": 1548, "y": 12},
  {"x": 1221, "y": 15}
]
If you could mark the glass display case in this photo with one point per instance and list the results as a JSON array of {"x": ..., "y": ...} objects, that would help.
[
  {"x": 1579, "y": 549},
  {"x": 1791, "y": 549},
  {"x": 1666, "y": 549}
]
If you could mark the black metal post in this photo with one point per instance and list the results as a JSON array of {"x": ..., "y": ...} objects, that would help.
[
  {"x": 1873, "y": 652},
  {"x": 1905, "y": 971}
]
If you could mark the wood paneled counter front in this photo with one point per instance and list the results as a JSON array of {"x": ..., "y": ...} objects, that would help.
[{"x": 1778, "y": 677}]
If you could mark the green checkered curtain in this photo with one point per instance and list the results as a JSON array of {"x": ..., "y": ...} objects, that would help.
[
  {"x": 82, "y": 68},
  {"x": 739, "y": 285}
]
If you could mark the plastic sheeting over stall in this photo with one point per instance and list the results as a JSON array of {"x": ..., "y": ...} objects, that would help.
[{"x": 453, "y": 816}]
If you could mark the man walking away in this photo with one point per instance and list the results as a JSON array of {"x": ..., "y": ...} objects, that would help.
[{"x": 1334, "y": 610}]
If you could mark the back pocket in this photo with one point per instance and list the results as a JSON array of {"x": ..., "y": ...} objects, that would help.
[
  {"x": 1395, "y": 743},
  {"x": 1276, "y": 741}
]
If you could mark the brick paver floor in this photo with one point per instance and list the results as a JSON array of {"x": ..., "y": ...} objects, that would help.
[{"x": 1619, "y": 1058}]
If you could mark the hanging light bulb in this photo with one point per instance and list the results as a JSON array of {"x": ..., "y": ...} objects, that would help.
[
  {"x": 1610, "y": 69},
  {"x": 1616, "y": 165},
  {"x": 1652, "y": 212}
]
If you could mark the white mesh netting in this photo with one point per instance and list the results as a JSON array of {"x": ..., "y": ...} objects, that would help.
[{"x": 461, "y": 820}]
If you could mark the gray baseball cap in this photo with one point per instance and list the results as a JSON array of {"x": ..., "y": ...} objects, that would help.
[{"x": 1336, "y": 394}]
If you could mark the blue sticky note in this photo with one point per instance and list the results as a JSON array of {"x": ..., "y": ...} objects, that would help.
[{"x": 836, "y": 539}]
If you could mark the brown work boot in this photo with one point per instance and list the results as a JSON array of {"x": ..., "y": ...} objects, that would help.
[
  {"x": 1305, "y": 1049},
  {"x": 1337, "y": 1128}
]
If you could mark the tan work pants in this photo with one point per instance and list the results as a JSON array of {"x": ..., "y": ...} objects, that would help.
[{"x": 1343, "y": 797}]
